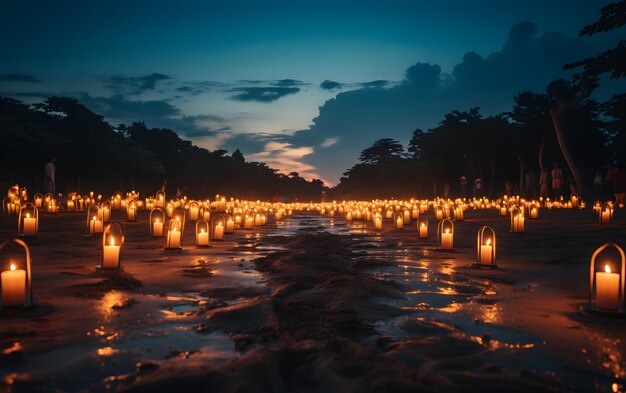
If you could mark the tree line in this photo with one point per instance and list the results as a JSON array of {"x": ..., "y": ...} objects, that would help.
[
  {"x": 93, "y": 155},
  {"x": 562, "y": 125}
]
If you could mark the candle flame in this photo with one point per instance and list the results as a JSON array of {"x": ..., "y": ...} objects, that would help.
[
  {"x": 112, "y": 241},
  {"x": 447, "y": 231},
  {"x": 12, "y": 266},
  {"x": 27, "y": 215},
  {"x": 489, "y": 241},
  {"x": 423, "y": 225},
  {"x": 607, "y": 268},
  {"x": 201, "y": 230}
]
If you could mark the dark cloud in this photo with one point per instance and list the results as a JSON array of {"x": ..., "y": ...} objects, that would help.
[
  {"x": 376, "y": 83},
  {"x": 134, "y": 84},
  {"x": 356, "y": 118},
  {"x": 330, "y": 85},
  {"x": 19, "y": 78},
  {"x": 288, "y": 83},
  {"x": 262, "y": 94}
]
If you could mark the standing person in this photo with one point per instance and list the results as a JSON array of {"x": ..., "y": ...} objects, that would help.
[
  {"x": 557, "y": 180},
  {"x": 530, "y": 184},
  {"x": 619, "y": 185},
  {"x": 478, "y": 187},
  {"x": 49, "y": 175},
  {"x": 597, "y": 186},
  {"x": 544, "y": 183}
]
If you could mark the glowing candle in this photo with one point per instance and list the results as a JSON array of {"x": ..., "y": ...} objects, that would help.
[
  {"x": 378, "y": 222},
  {"x": 485, "y": 253},
  {"x": 30, "y": 225},
  {"x": 503, "y": 211},
  {"x": 423, "y": 231},
  {"x": 218, "y": 234},
  {"x": 202, "y": 238},
  {"x": 173, "y": 238},
  {"x": 132, "y": 213},
  {"x": 518, "y": 223},
  {"x": 70, "y": 205},
  {"x": 605, "y": 216},
  {"x": 230, "y": 226},
  {"x": 193, "y": 213},
  {"x": 248, "y": 222},
  {"x": 111, "y": 256},
  {"x": 534, "y": 212},
  {"x": 157, "y": 228},
  {"x": 446, "y": 240},
  {"x": 607, "y": 289},
  {"x": 279, "y": 215},
  {"x": 439, "y": 214},
  {"x": 13, "y": 286},
  {"x": 399, "y": 223}
]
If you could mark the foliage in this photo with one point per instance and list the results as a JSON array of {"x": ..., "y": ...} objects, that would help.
[{"x": 91, "y": 154}]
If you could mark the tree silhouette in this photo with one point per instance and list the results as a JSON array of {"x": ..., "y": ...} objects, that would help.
[{"x": 382, "y": 150}]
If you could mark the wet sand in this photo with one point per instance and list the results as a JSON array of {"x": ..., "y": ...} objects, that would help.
[{"x": 316, "y": 304}]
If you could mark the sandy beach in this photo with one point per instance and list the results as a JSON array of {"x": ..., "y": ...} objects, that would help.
[{"x": 313, "y": 303}]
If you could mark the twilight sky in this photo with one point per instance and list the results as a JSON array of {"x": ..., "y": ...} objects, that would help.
[{"x": 301, "y": 85}]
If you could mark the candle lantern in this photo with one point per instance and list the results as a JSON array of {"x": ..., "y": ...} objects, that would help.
[
  {"x": 28, "y": 221},
  {"x": 574, "y": 199},
  {"x": 16, "y": 288},
  {"x": 503, "y": 210},
  {"x": 378, "y": 221},
  {"x": 422, "y": 227},
  {"x": 105, "y": 211},
  {"x": 486, "y": 248},
  {"x": 38, "y": 198},
  {"x": 445, "y": 234},
  {"x": 533, "y": 211},
  {"x": 94, "y": 220},
  {"x": 131, "y": 211},
  {"x": 606, "y": 281},
  {"x": 458, "y": 213},
  {"x": 24, "y": 194},
  {"x": 160, "y": 199},
  {"x": 517, "y": 220},
  {"x": 406, "y": 217},
  {"x": 202, "y": 233},
  {"x": 248, "y": 219},
  {"x": 112, "y": 242},
  {"x": 217, "y": 227},
  {"x": 438, "y": 213},
  {"x": 398, "y": 219},
  {"x": 606, "y": 214},
  {"x": 194, "y": 211},
  {"x": 175, "y": 229},
  {"x": 229, "y": 223},
  {"x": 597, "y": 206},
  {"x": 157, "y": 220}
]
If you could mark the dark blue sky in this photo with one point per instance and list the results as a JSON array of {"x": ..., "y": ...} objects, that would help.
[{"x": 251, "y": 74}]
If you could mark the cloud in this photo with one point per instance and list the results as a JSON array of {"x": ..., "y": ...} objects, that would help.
[
  {"x": 262, "y": 94},
  {"x": 526, "y": 61},
  {"x": 288, "y": 83},
  {"x": 286, "y": 158},
  {"x": 19, "y": 78},
  {"x": 134, "y": 85},
  {"x": 29, "y": 94},
  {"x": 328, "y": 142},
  {"x": 376, "y": 83},
  {"x": 330, "y": 85}
]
